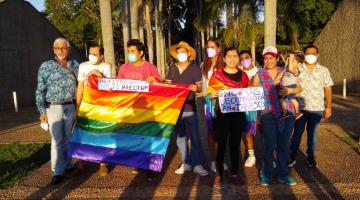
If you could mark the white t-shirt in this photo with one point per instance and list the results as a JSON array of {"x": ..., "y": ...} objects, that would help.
[
  {"x": 250, "y": 73},
  {"x": 205, "y": 81},
  {"x": 85, "y": 68}
]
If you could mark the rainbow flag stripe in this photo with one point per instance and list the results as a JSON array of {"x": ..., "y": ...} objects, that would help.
[
  {"x": 219, "y": 81},
  {"x": 127, "y": 128}
]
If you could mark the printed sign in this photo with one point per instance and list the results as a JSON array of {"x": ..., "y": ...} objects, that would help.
[
  {"x": 242, "y": 99},
  {"x": 123, "y": 85}
]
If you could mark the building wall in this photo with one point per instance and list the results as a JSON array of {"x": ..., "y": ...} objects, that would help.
[
  {"x": 339, "y": 45},
  {"x": 26, "y": 39}
]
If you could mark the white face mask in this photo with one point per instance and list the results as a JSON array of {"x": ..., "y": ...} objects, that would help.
[
  {"x": 211, "y": 52},
  {"x": 182, "y": 57},
  {"x": 93, "y": 59},
  {"x": 310, "y": 59}
]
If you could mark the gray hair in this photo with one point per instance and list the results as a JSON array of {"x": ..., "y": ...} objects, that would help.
[{"x": 62, "y": 40}]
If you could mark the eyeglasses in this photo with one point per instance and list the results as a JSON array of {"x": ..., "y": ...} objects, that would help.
[{"x": 61, "y": 48}]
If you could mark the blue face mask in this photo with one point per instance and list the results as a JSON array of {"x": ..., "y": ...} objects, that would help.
[{"x": 132, "y": 57}]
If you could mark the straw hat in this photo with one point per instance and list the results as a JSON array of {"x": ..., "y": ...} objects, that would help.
[{"x": 185, "y": 45}]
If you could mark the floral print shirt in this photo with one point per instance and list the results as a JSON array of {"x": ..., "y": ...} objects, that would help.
[
  {"x": 313, "y": 83},
  {"x": 55, "y": 84}
]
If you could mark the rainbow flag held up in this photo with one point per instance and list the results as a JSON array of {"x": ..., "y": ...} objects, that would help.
[
  {"x": 217, "y": 82},
  {"x": 127, "y": 128}
]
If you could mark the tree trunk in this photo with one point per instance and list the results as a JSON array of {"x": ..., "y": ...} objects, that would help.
[
  {"x": 134, "y": 19},
  {"x": 162, "y": 44},
  {"x": 149, "y": 34},
  {"x": 107, "y": 34},
  {"x": 270, "y": 23},
  {"x": 216, "y": 34},
  {"x": 162, "y": 56},
  {"x": 161, "y": 41},
  {"x": 125, "y": 25},
  {"x": 253, "y": 52},
  {"x": 157, "y": 37},
  {"x": 169, "y": 24},
  {"x": 211, "y": 28},
  {"x": 294, "y": 41},
  {"x": 141, "y": 21},
  {"x": 207, "y": 32},
  {"x": 202, "y": 35},
  {"x": 197, "y": 42}
]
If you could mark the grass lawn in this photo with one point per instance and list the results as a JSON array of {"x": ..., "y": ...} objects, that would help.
[{"x": 18, "y": 160}]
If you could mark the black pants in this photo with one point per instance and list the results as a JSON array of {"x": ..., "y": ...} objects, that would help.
[{"x": 228, "y": 126}]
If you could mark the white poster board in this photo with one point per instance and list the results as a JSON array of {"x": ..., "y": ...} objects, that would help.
[
  {"x": 123, "y": 85},
  {"x": 242, "y": 99}
]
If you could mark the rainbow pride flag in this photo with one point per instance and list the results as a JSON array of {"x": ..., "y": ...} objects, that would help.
[
  {"x": 127, "y": 128},
  {"x": 217, "y": 82}
]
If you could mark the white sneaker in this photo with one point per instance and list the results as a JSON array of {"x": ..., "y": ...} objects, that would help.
[
  {"x": 250, "y": 161},
  {"x": 213, "y": 166},
  {"x": 183, "y": 168},
  {"x": 225, "y": 167},
  {"x": 200, "y": 170}
]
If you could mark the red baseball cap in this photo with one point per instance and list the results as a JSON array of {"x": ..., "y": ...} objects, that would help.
[{"x": 271, "y": 50}]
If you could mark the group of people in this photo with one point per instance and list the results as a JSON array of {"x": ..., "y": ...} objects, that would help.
[{"x": 296, "y": 96}]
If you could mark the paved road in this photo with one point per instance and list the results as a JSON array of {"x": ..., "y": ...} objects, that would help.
[{"x": 337, "y": 177}]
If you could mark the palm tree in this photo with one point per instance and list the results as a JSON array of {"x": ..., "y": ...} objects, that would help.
[
  {"x": 270, "y": 22},
  {"x": 287, "y": 16},
  {"x": 242, "y": 24},
  {"x": 107, "y": 33},
  {"x": 125, "y": 25},
  {"x": 134, "y": 19},
  {"x": 207, "y": 12},
  {"x": 160, "y": 46},
  {"x": 162, "y": 41},
  {"x": 141, "y": 20},
  {"x": 149, "y": 33},
  {"x": 157, "y": 35},
  {"x": 169, "y": 22}
]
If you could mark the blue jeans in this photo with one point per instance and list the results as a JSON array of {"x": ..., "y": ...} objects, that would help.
[
  {"x": 312, "y": 121},
  {"x": 187, "y": 128},
  {"x": 273, "y": 139},
  {"x": 61, "y": 121}
]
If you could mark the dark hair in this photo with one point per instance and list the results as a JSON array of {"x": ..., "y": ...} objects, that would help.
[
  {"x": 245, "y": 52},
  {"x": 298, "y": 55},
  {"x": 231, "y": 49},
  {"x": 138, "y": 44},
  {"x": 207, "y": 60},
  {"x": 311, "y": 46},
  {"x": 95, "y": 45}
]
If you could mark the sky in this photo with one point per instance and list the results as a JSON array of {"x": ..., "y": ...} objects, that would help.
[{"x": 38, "y": 4}]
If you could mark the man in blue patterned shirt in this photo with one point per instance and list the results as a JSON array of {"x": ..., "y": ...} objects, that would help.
[{"x": 55, "y": 98}]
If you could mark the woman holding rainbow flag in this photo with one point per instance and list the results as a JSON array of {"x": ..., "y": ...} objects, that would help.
[
  {"x": 228, "y": 126},
  {"x": 212, "y": 61}
]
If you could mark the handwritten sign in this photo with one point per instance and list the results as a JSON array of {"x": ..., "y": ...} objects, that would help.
[
  {"x": 123, "y": 85},
  {"x": 242, "y": 99}
]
